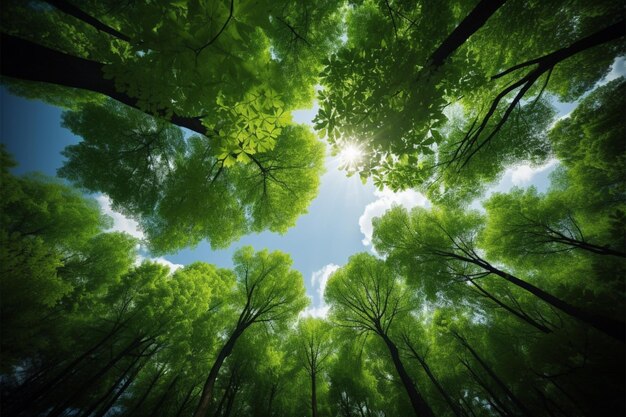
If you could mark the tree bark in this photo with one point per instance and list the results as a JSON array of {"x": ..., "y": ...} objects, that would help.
[
  {"x": 474, "y": 21},
  {"x": 105, "y": 409},
  {"x": 111, "y": 389},
  {"x": 520, "y": 315},
  {"x": 608, "y": 326},
  {"x": 29, "y": 61},
  {"x": 207, "y": 390},
  {"x": 420, "y": 406},
  {"x": 60, "y": 409},
  {"x": 494, "y": 376},
  {"x": 70, "y": 9},
  {"x": 313, "y": 395},
  {"x": 455, "y": 408}
]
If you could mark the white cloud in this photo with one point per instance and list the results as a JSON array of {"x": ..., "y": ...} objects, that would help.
[
  {"x": 160, "y": 260},
  {"x": 318, "y": 283},
  {"x": 618, "y": 69},
  {"x": 524, "y": 174},
  {"x": 386, "y": 200},
  {"x": 121, "y": 223}
]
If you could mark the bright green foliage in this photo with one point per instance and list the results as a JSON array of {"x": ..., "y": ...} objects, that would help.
[
  {"x": 438, "y": 243},
  {"x": 267, "y": 288},
  {"x": 590, "y": 143},
  {"x": 366, "y": 295},
  {"x": 383, "y": 90},
  {"x": 182, "y": 191}
]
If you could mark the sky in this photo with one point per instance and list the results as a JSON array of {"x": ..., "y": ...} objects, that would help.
[{"x": 338, "y": 222}]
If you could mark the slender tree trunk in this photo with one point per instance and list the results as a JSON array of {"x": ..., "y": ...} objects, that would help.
[
  {"x": 157, "y": 406},
  {"x": 57, "y": 411},
  {"x": 67, "y": 371},
  {"x": 104, "y": 410},
  {"x": 207, "y": 390},
  {"x": 231, "y": 400},
  {"x": 521, "y": 316},
  {"x": 494, "y": 376},
  {"x": 498, "y": 405},
  {"x": 271, "y": 400},
  {"x": 111, "y": 390},
  {"x": 185, "y": 401},
  {"x": 29, "y": 61},
  {"x": 147, "y": 392},
  {"x": 608, "y": 326},
  {"x": 455, "y": 408},
  {"x": 77, "y": 13},
  {"x": 218, "y": 410},
  {"x": 313, "y": 395},
  {"x": 420, "y": 406}
]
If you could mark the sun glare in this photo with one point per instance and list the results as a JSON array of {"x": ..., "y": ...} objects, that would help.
[{"x": 350, "y": 156}]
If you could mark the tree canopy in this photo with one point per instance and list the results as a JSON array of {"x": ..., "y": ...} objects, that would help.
[{"x": 486, "y": 301}]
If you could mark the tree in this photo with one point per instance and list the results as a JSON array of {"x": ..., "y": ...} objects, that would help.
[
  {"x": 182, "y": 191},
  {"x": 267, "y": 291},
  {"x": 367, "y": 296},
  {"x": 398, "y": 121},
  {"x": 314, "y": 346},
  {"x": 443, "y": 243}
]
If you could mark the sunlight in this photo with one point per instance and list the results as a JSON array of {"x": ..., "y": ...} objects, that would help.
[{"x": 350, "y": 156}]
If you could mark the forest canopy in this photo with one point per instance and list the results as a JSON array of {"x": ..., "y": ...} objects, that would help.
[{"x": 481, "y": 303}]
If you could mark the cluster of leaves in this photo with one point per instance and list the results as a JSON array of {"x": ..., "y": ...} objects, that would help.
[{"x": 391, "y": 86}]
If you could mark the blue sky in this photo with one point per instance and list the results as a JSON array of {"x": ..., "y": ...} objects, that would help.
[{"x": 338, "y": 222}]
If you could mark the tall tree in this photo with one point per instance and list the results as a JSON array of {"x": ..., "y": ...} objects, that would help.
[
  {"x": 267, "y": 291},
  {"x": 367, "y": 296}
]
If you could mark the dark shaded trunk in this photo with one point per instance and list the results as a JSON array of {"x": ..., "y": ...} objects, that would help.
[
  {"x": 420, "y": 406},
  {"x": 495, "y": 402},
  {"x": 207, "y": 390},
  {"x": 147, "y": 392},
  {"x": 271, "y": 399},
  {"x": 67, "y": 372},
  {"x": 220, "y": 406},
  {"x": 470, "y": 145},
  {"x": 29, "y": 61},
  {"x": 105, "y": 409},
  {"x": 183, "y": 405},
  {"x": 494, "y": 376},
  {"x": 474, "y": 21},
  {"x": 313, "y": 395},
  {"x": 60, "y": 409},
  {"x": 608, "y": 326},
  {"x": 231, "y": 400},
  {"x": 521, "y": 315},
  {"x": 111, "y": 389},
  {"x": 77, "y": 13},
  {"x": 451, "y": 403},
  {"x": 157, "y": 406}
]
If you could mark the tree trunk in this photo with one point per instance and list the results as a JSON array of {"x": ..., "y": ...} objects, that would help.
[
  {"x": 313, "y": 395},
  {"x": 157, "y": 406},
  {"x": 67, "y": 371},
  {"x": 29, "y": 61},
  {"x": 474, "y": 21},
  {"x": 420, "y": 406},
  {"x": 111, "y": 389},
  {"x": 494, "y": 376},
  {"x": 77, "y": 13},
  {"x": 522, "y": 316},
  {"x": 121, "y": 391},
  {"x": 207, "y": 390},
  {"x": 185, "y": 401},
  {"x": 455, "y": 408},
  {"x": 147, "y": 392},
  {"x": 57, "y": 411},
  {"x": 608, "y": 326}
]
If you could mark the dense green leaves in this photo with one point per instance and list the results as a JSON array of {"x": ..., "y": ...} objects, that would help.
[{"x": 514, "y": 310}]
